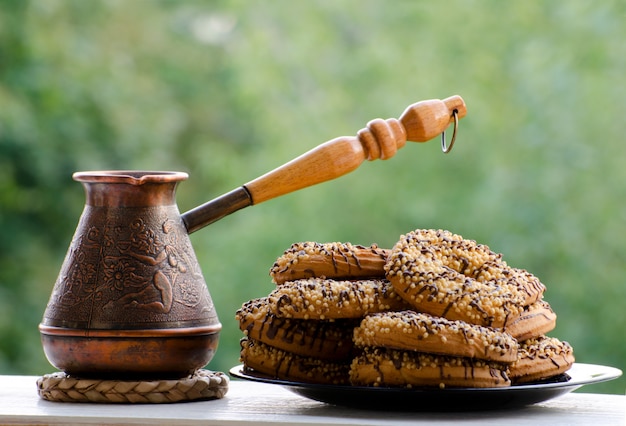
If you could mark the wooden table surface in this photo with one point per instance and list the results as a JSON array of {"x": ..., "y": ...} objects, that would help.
[{"x": 259, "y": 403}]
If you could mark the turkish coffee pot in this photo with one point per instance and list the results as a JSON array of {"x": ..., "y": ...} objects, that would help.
[{"x": 130, "y": 300}]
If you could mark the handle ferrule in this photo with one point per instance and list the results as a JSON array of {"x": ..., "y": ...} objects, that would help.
[{"x": 216, "y": 209}]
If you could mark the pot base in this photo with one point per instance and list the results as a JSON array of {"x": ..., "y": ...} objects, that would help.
[{"x": 135, "y": 354}]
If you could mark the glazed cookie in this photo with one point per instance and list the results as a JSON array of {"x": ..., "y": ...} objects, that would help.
[
  {"x": 393, "y": 368},
  {"x": 534, "y": 321},
  {"x": 329, "y": 260},
  {"x": 541, "y": 358},
  {"x": 445, "y": 275},
  {"x": 410, "y": 330},
  {"x": 279, "y": 364},
  {"x": 323, "y": 299},
  {"x": 331, "y": 340}
]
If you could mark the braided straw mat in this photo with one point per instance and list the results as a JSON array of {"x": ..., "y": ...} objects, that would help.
[{"x": 202, "y": 385}]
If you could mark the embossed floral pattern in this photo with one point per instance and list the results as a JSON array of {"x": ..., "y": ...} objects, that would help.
[{"x": 117, "y": 273}]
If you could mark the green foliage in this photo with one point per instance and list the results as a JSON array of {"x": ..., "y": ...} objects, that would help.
[{"x": 227, "y": 90}]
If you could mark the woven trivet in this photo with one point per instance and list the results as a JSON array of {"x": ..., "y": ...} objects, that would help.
[{"x": 202, "y": 385}]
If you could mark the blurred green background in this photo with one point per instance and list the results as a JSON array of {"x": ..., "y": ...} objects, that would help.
[{"x": 227, "y": 90}]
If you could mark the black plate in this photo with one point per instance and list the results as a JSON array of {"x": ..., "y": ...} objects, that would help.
[{"x": 434, "y": 399}]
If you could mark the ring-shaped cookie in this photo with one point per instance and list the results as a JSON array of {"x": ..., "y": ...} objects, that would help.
[
  {"x": 445, "y": 275},
  {"x": 330, "y": 340},
  {"x": 329, "y": 260},
  {"x": 419, "y": 332},
  {"x": 284, "y": 365},
  {"x": 322, "y": 299},
  {"x": 392, "y": 368},
  {"x": 541, "y": 358},
  {"x": 535, "y": 320}
]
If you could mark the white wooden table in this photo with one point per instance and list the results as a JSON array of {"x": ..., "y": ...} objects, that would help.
[{"x": 258, "y": 403}]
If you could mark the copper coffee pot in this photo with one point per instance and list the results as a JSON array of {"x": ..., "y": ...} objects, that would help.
[{"x": 130, "y": 300}]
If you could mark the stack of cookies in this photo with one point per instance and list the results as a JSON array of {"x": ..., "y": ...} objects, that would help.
[
  {"x": 435, "y": 310},
  {"x": 303, "y": 329}
]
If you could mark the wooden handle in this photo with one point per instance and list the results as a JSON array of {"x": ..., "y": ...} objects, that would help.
[{"x": 420, "y": 122}]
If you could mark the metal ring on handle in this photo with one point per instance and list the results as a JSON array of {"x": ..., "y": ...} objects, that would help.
[{"x": 445, "y": 148}]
